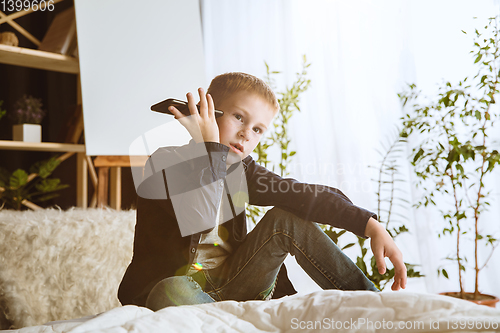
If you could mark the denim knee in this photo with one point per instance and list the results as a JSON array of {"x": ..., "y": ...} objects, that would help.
[
  {"x": 176, "y": 290},
  {"x": 275, "y": 216}
]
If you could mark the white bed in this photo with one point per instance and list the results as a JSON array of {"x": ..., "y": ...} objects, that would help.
[
  {"x": 323, "y": 311},
  {"x": 70, "y": 268}
]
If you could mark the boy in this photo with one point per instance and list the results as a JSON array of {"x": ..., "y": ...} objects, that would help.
[{"x": 191, "y": 244}]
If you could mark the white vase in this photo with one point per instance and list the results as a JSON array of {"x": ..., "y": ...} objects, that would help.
[{"x": 27, "y": 132}]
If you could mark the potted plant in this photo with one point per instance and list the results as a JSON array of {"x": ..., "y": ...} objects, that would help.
[
  {"x": 27, "y": 116},
  {"x": 18, "y": 188},
  {"x": 288, "y": 101},
  {"x": 454, "y": 155},
  {"x": 388, "y": 176},
  {"x": 279, "y": 136}
]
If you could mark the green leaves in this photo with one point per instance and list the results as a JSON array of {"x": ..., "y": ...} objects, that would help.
[
  {"x": 419, "y": 154},
  {"x": 347, "y": 246},
  {"x": 478, "y": 58},
  {"x": 4, "y": 177},
  {"x": 2, "y": 112},
  {"x": 478, "y": 115},
  {"x": 289, "y": 103},
  {"x": 45, "y": 168},
  {"x": 333, "y": 234},
  {"x": 278, "y": 136},
  {"x": 19, "y": 178},
  {"x": 387, "y": 200},
  {"x": 361, "y": 264},
  {"x": 50, "y": 185},
  {"x": 379, "y": 280},
  {"x": 19, "y": 186},
  {"x": 453, "y": 154}
]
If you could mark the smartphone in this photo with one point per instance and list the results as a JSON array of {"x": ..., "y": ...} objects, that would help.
[{"x": 182, "y": 106}]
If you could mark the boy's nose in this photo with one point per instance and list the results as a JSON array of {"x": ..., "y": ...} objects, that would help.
[{"x": 245, "y": 133}]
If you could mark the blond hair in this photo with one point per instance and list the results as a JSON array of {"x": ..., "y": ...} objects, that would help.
[{"x": 226, "y": 84}]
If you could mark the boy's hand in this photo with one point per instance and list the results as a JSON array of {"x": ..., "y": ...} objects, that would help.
[
  {"x": 202, "y": 126},
  {"x": 383, "y": 246}
]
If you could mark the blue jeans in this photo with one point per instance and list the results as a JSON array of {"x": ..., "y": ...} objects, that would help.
[{"x": 250, "y": 272}]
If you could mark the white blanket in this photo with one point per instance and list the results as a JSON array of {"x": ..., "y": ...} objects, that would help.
[{"x": 323, "y": 311}]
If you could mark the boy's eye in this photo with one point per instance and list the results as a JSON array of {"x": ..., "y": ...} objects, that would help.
[
  {"x": 257, "y": 130},
  {"x": 237, "y": 116}
]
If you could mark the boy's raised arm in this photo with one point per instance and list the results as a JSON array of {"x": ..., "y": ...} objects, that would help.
[
  {"x": 326, "y": 205},
  {"x": 312, "y": 202}
]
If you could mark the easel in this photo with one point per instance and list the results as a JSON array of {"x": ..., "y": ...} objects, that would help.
[{"x": 109, "y": 168}]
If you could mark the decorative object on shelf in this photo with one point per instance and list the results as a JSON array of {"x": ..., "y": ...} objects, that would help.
[
  {"x": 27, "y": 116},
  {"x": 8, "y": 38},
  {"x": 455, "y": 154},
  {"x": 61, "y": 36},
  {"x": 27, "y": 132},
  {"x": 18, "y": 189}
]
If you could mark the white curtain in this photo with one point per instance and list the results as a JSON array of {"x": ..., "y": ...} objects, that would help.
[{"x": 362, "y": 53}]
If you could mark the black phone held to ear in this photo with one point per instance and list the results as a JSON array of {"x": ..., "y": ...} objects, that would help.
[{"x": 182, "y": 106}]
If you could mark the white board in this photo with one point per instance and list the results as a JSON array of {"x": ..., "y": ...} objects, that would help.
[{"x": 134, "y": 54}]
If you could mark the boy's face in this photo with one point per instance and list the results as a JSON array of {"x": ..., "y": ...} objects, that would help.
[{"x": 246, "y": 117}]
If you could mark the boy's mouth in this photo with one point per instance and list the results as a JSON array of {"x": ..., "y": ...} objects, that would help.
[{"x": 237, "y": 147}]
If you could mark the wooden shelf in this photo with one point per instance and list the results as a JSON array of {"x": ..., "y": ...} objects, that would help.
[
  {"x": 20, "y": 56},
  {"x": 41, "y": 146},
  {"x": 120, "y": 161},
  {"x": 26, "y": 57}
]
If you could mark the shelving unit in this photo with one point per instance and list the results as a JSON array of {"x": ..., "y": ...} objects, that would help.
[
  {"x": 21, "y": 56},
  {"x": 41, "y": 146},
  {"x": 25, "y": 57},
  {"x": 81, "y": 161}
]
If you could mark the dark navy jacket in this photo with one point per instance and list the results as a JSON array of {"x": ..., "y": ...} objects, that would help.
[{"x": 189, "y": 181}]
